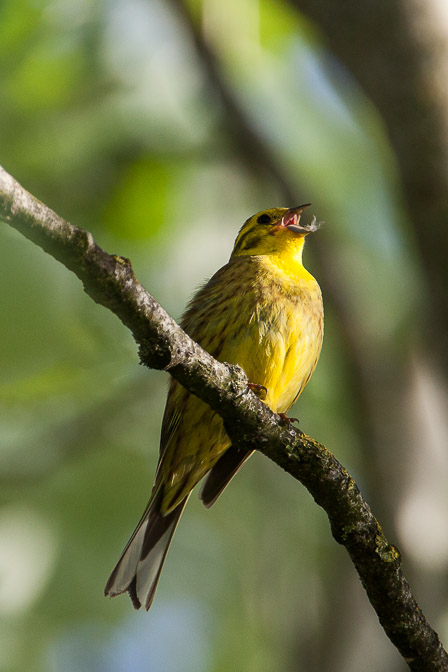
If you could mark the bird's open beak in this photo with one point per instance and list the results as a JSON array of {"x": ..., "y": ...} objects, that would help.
[{"x": 291, "y": 221}]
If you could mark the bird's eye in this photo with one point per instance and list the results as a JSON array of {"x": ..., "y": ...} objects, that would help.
[{"x": 264, "y": 219}]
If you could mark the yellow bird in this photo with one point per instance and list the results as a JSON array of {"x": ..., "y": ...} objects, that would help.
[{"x": 263, "y": 311}]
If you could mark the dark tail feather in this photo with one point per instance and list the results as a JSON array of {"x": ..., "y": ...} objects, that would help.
[
  {"x": 140, "y": 565},
  {"x": 222, "y": 473}
]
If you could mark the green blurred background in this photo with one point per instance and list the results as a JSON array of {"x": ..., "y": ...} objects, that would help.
[{"x": 160, "y": 127}]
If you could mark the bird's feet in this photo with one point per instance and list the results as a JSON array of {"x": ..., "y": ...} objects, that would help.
[
  {"x": 286, "y": 420},
  {"x": 260, "y": 390}
]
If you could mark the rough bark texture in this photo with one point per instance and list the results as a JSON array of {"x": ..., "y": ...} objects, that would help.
[{"x": 109, "y": 280}]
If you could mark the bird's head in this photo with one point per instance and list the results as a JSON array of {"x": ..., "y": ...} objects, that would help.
[{"x": 277, "y": 231}]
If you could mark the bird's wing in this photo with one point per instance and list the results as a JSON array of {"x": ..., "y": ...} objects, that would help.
[
  {"x": 222, "y": 473},
  {"x": 197, "y": 321},
  {"x": 215, "y": 310},
  {"x": 171, "y": 417}
]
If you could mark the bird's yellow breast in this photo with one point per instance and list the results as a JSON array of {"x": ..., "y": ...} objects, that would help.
[{"x": 280, "y": 344}]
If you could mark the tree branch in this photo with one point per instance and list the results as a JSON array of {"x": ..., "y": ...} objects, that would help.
[{"x": 110, "y": 281}]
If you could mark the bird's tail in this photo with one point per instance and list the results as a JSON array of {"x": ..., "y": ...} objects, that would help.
[
  {"x": 220, "y": 475},
  {"x": 140, "y": 565}
]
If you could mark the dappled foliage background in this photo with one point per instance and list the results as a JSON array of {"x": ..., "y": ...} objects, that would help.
[{"x": 161, "y": 127}]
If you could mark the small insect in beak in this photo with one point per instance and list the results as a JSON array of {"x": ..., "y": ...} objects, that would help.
[{"x": 291, "y": 221}]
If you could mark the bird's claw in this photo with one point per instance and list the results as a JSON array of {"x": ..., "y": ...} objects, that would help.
[
  {"x": 286, "y": 420},
  {"x": 260, "y": 390}
]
